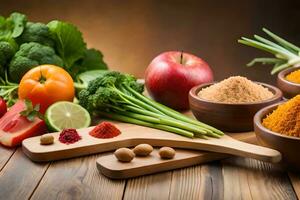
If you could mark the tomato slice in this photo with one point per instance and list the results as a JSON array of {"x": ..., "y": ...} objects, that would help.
[{"x": 14, "y": 128}]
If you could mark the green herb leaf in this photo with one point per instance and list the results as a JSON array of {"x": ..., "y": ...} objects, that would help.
[
  {"x": 40, "y": 115},
  {"x": 69, "y": 42},
  {"x": 37, "y": 107},
  {"x": 31, "y": 116},
  {"x": 31, "y": 112},
  {"x": 28, "y": 104}
]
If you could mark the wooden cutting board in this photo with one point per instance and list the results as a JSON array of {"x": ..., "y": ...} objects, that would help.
[
  {"x": 133, "y": 135},
  {"x": 109, "y": 166}
]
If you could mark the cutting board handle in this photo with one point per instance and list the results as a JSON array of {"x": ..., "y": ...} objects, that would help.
[{"x": 234, "y": 147}]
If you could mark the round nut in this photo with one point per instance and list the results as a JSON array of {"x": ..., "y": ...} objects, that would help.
[
  {"x": 124, "y": 154},
  {"x": 142, "y": 150},
  {"x": 47, "y": 139},
  {"x": 166, "y": 152}
]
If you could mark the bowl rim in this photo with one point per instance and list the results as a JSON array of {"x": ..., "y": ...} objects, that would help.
[
  {"x": 277, "y": 95},
  {"x": 257, "y": 119},
  {"x": 281, "y": 76}
]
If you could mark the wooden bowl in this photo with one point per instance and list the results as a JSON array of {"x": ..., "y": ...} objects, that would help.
[
  {"x": 287, "y": 145},
  {"x": 288, "y": 88},
  {"x": 227, "y": 116}
]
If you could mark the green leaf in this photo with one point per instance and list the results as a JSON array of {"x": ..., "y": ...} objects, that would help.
[
  {"x": 6, "y": 27},
  {"x": 19, "y": 20},
  {"x": 88, "y": 76},
  {"x": 28, "y": 104},
  {"x": 31, "y": 112},
  {"x": 93, "y": 59},
  {"x": 31, "y": 116},
  {"x": 68, "y": 41},
  {"x": 2, "y": 22},
  {"x": 40, "y": 115},
  {"x": 13, "y": 26},
  {"x": 24, "y": 113},
  {"x": 37, "y": 107}
]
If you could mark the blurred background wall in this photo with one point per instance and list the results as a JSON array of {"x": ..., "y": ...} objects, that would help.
[{"x": 130, "y": 33}]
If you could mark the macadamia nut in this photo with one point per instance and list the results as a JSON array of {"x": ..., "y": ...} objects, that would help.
[
  {"x": 47, "y": 139},
  {"x": 143, "y": 150},
  {"x": 124, "y": 154},
  {"x": 166, "y": 152}
]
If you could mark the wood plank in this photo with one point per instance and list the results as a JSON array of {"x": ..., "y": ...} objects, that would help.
[
  {"x": 129, "y": 137},
  {"x": 6, "y": 154},
  {"x": 77, "y": 179},
  {"x": 20, "y": 176},
  {"x": 149, "y": 187},
  {"x": 212, "y": 186},
  {"x": 198, "y": 182},
  {"x": 252, "y": 179},
  {"x": 295, "y": 180},
  {"x": 110, "y": 167}
]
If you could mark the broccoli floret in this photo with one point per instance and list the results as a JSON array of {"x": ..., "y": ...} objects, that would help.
[
  {"x": 31, "y": 55},
  {"x": 36, "y": 32},
  {"x": 7, "y": 51},
  {"x": 109, "y": 92}
]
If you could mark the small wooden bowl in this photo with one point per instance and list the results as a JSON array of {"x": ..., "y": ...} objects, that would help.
[
  {"x": 288, "y": 88},
  {"x": 226, "y": 116},
  {"x": 287, "y": 145}
]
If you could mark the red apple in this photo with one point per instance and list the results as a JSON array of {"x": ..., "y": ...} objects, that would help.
[{"x": 171, "y": 75}]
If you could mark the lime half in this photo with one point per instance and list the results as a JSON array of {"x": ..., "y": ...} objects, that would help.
[{"x": 66, "y": 114}]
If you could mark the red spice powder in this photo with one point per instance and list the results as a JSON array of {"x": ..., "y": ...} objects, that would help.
[
  {"x": 105, "y": 130},
  {"x": 69, "y": 136}
]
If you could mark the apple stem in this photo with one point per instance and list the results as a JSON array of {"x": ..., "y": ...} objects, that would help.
[{"x": 181, "y": 57}]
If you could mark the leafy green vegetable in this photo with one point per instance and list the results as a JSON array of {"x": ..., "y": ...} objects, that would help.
[
  {"x": 13, "y": 26},
  {"x": 119, "y": 96},
  {"x": 93, "y": 59},
  {"x": 24, "y": 45},
  {"x": 36, "y": 32},
  {"x": 19, "y": 20},
  {"x": 30, "y": 55},
  {"x": 286, "y": 54},
  {"x": 84, "y": 78},
  {"x": 68, "y": 41}
]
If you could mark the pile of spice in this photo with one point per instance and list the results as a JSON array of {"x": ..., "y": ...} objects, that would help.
[
  {"x": 69, "y": 136},
  {"x": 235, "y": 89},
  {"x": 286, "y": 118},
  {"x": 105, "y": 130},
  {"x": 294, "y": 76}
]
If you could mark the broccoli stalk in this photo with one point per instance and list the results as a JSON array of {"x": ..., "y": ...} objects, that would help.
[{"x": 118, "y": 96}]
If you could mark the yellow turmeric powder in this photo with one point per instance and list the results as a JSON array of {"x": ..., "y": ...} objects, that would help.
[
  {"x": 294, "y": 76},
  {"x": 286, "y": 118}
]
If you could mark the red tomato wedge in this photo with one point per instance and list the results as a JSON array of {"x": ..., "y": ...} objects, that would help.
[{"x": 14, "y": 128}]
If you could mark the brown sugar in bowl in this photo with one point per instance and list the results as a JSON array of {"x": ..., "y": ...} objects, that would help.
[
  {"x": 287, "y": 145},
  {"x": 230, "y": 117},
  {"x": 288, "y": 88}
]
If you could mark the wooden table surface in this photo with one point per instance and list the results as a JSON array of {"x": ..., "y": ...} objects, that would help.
[{"x": 232, "y": 178}]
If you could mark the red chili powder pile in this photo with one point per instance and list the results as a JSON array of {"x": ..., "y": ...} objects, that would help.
[
  {"x": 105, "y": 130},
  {"x": 69, "y": 136}
]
